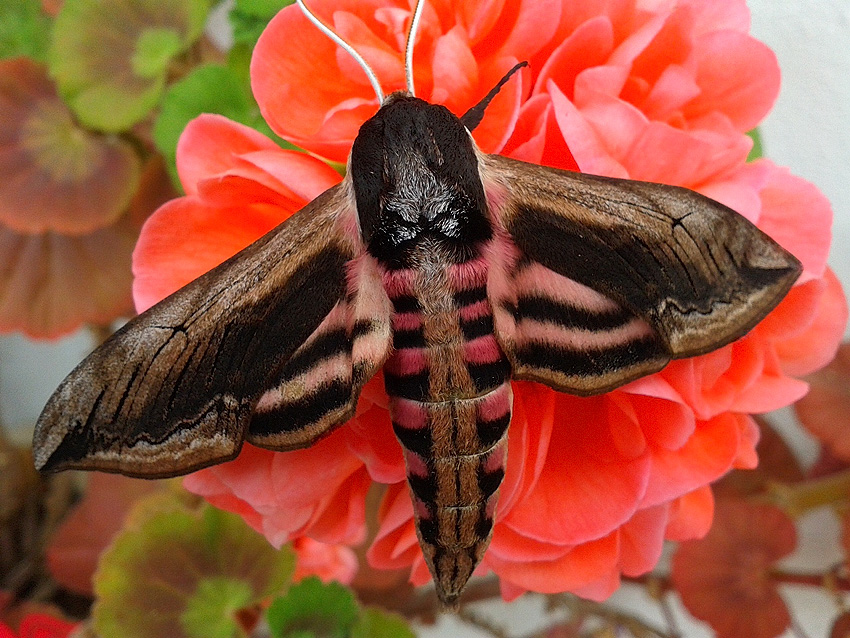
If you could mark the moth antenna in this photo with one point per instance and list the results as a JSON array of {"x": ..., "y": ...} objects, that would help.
[
  {"x": 312, "y": 17},
  {"x": 408, "y": 46},
  {"x": 472, "y": 117}
]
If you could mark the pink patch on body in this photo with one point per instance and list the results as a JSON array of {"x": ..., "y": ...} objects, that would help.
[
  {"x": 496, "y": 195},
  {"x": 582, "y": 340},
  {"x": 492, "y": 502},
  {"x": 411, "y": 415},
  {"x": 482, "y": 350},
  {"x": 475, "y": 310},
  {"x": 398, "y": 282},
  {"x": 470, "y": 274},
  {"x": 501, "y": 255},
  {"x": 407, "y": 361},
  {"x": 407, "y": 321},
  {"x": 496, "y": 459},
  {"x": 416, "y": 465},
  {"x": 420, "y": 509},
  {"x": 495, "y": 404}
]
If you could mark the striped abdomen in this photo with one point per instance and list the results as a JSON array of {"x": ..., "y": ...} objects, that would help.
[{"x": 451, "y": 406}]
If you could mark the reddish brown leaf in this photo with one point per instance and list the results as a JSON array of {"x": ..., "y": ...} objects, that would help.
[
  {"x": 50, "y": 283},
  {"x": 76, "y": 547},
  {"x": 825, "y": 410},
  {"x": 58, "y": 177},
  {"x": 724, "y": 579},
  {"x": 841, "y": 627}
]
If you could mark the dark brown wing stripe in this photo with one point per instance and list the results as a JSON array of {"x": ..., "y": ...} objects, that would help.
[
  {"x": 295, "y": 415},
  {"x": 568, "y": 316},
  {"x": 592, "y": 363}
]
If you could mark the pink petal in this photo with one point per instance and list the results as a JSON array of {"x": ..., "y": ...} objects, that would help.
[
  {"x": 502, "y": 113},
  {"x": 588, "y": 46},
  {"x": 691, "y": 515},
  {"x": 455, "y": 71},
  {"x": 674, "y": 88},
  {"x": 327, "y": 562},
  {"x": 816, "y": 346},
  {"x": 579, "y": 567},
  {"x": 706, "y": 456},
  {"x": 569, "y": 484},
  {"x": 296, "y": 81},
  {"x": 369, "y": 436},
  {"x": 585, "y": 144},
  {"x": 786, "y": 201},
  {"x": 529, "y": 436},
  {"x": 642, "y": 539},
  {"x": 209, "y": 146},
  {"x": 186, "y": 238},
  {"x": 720, "y": 16},
  {"x": 535, "y": 24},
  {"x": 739, "y": 77}
]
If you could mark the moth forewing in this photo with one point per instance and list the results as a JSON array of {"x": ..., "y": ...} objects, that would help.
[
  {"x": 177, "y": 387},
  {"x": 697, "y": 272}
]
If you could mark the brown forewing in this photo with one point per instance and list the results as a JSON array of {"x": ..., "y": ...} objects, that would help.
[
  {"x": 697, "y": 272},
  {"x": 175, "y": 388}
]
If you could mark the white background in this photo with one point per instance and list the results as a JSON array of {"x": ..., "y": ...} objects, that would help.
[{"x": 808, "y": 130}]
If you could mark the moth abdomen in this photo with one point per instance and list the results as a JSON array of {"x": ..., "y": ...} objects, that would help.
[{"x": 450, "y": 399}]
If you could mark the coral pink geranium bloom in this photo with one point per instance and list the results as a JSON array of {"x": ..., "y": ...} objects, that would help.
[{"x": 594, "y": 485}]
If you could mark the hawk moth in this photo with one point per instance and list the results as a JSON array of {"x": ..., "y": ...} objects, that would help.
[{"x": 451, "y": 270}]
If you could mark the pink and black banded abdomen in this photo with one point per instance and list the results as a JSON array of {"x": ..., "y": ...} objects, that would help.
[{"x": 450, "y": 400}]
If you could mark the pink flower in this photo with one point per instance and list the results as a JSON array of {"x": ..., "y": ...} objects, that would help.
[{"x": 594, "y": 485}]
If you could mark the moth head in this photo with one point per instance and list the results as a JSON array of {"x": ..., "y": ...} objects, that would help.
[
  {"x": 414, "y": 171},
  {"x": 415, "y": 175}
]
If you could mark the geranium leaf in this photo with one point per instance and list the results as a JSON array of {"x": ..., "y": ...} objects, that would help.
[
  {"x": 76, "y": 546},
  {"x": 313, "y": 609},
  {"x": 154, "y": 50},
  {"x": 757, "y": 150},
  {"x": 376, "y": 623},
  {"x": 249, "y": 17},
  {"x": 211, "y": 610},
  {"x": 180, "y": 573},
  {"x": 24, "y": 29},
  {"x": 113, "y": 87}
]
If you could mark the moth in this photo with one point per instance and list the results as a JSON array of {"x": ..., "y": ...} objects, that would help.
[{"x": 451, "y": 270}]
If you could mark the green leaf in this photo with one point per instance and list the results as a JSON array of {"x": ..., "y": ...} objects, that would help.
[
  {"x": 250, "y": 17},
  {"x": 183, "y": 574},
  {"x": 757, "y": 150},
  {"x": 315, "y": 610},
  {"x": 154, "y": 50},
  {"x": 24, "y": 29},
  {"x": 210, "y": 610},
  {"x": 207, "y": 89},
  {"x": 266, "y": 9},
  {"x": 110, "y": 58},
  {"x": 377, "y": 623}
]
